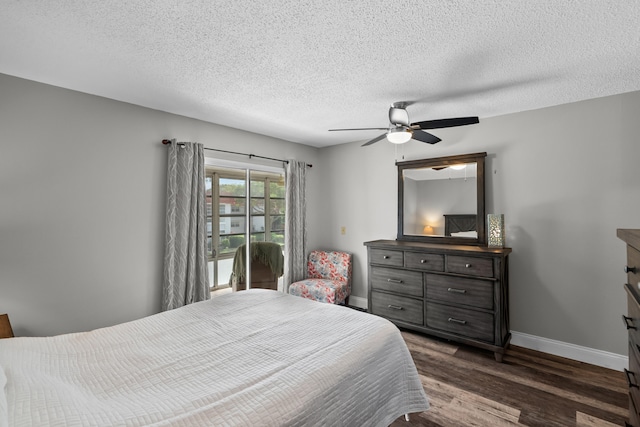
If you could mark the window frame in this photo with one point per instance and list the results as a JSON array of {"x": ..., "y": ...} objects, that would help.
[{"x": 216, "y": 172}]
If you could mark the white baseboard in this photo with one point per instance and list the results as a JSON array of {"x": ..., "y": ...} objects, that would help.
[
  {"x": 546, "y": 345},
  {"x": 570, "y": 351},
  {"x": 358, "y": 302}
]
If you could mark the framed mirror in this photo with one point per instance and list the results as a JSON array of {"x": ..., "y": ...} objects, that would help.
[{"x": 441, "y": 200}]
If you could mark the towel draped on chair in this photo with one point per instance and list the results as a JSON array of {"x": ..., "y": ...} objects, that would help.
[{"x": 268, "y": 253}]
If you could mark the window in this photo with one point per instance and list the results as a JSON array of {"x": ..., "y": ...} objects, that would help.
[{"x": 226, "y": 195}]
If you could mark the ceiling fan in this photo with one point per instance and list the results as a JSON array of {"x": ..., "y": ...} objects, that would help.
[{"x": 400, "y": 130}]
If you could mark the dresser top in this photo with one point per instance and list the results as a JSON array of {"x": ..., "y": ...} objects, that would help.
[
  {"x": 630, "y": 235},
  {"x": 402, "y": 244}
]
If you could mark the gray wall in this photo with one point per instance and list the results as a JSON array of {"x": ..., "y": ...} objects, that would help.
[
  {"x": 565, "y": 177},
  {"x": 441, "y": 191},
  {"x": 82, "y": 193},
  {"x": 82, "y": 199}
]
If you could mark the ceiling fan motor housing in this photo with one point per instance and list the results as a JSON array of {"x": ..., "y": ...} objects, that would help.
[{"x": 398, "y": 116}]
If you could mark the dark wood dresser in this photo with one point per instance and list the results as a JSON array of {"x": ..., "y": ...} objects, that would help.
[
  {"x": 457, "y": 292},
  {"x": 632, "y": 320}
]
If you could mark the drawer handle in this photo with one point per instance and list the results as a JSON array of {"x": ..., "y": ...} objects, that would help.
[
  {"x": 626, "y": 321},
  {"x": 628, "y": 374},
  {"x": 395, "y": 281},
  {"x": 467, "y": 266},
  {"x": 395, "y": 307},
  {"x": 462, "y": 322},
  {"x": 458, "y": 291},
  {"x": 628, "y": 269},
  {"x": 385, "y": 257},
  {"x": 423, "y": 261}
]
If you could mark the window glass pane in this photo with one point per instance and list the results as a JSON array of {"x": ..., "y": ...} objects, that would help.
[
  {"x": 277, "y": 237},
  {"x": 225, "y": 267},
  {"x": 232, "y": 205},
  {"x": 232, "y": 225},
  {"x": 276, "y": 206},
  {"x": 211, "y": 266},
  {"x": 207, "y": 185},
  {"x": 257, "y": 206},
  {"x": 257, "y": 223},
  {"x": 209, "y": 204},
  {"x": 266, "y": 206},
  {"x": 257, "y": 188},
  {"x": 232, "y": 187},
  {"x": 276, "y": 188},
  {"x": 229, "y": 244},
  {"x": 257, "y": 237},
  {"x": 277, "y": 222},
  {"x": 224, "y": 245}
]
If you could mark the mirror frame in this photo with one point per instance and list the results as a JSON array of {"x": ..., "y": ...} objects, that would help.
[{"x": 478, "y": 158}]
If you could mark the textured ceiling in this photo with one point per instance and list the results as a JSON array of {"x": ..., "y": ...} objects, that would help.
[{"x": 293, "y": 69}]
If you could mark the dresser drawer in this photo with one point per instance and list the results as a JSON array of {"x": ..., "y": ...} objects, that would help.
[
  {"x": 472, "y": 266},
  {"x": 397, "y": 281},
  {"x": 633, "y": 262},
  {"x": 424, "y": 261},
  {"x": 632, "y": 320},
  {"x": 386, "y": 257},
  {"x": 470, "y": 323},
  {"x": 634, "y": 415},
  {"x": 397, "y": 307},
  {"x": 633, "y": 376},
  {"x": 459, "y": 290}
]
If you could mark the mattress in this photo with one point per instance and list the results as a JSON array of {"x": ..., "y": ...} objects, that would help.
[{"x": 251, "y": 358}]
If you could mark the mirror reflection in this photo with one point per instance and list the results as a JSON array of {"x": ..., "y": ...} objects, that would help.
[{"x": 441, "y": 201}]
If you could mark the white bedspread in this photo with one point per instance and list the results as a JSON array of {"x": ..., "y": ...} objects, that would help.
[{"x": 252, "y": 358}]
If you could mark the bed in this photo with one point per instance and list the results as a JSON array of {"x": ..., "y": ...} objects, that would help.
[
  {"x": 460, "y": 225},
  {"x": 257, "y": 357}
]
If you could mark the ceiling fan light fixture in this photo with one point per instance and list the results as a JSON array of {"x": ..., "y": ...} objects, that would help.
[{"x": 399, "y": 135}]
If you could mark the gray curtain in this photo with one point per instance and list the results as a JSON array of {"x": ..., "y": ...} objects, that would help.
[
  {"x": 295, "y": 230},
  {"x": 185, "y": 256}
]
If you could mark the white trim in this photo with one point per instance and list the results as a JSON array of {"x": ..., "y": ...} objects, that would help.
[
  {"x": 358, "y": 301},
  {"x": 224, "y": 163},
  {"x": 592, "y": 356},
  {"x": 570, "y": 351}
]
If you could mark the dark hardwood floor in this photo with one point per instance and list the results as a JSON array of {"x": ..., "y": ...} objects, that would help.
[{"x": 467, "y": 387}]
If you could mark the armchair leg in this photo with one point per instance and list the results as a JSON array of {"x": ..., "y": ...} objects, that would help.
[{"x": 406, "y": 417}]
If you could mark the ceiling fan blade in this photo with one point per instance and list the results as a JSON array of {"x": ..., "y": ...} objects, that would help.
[
  {"x": 376, "y": 139},
  {"x": 446, "y": 123},
  {"x": 334, "y": 130},
  {"x": 425, "y": 137}
]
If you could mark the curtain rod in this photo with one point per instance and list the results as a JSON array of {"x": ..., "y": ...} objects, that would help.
[{"x": 168, "y": 141}]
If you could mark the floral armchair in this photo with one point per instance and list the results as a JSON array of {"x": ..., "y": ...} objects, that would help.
[{"x": 328, "y": 278}]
